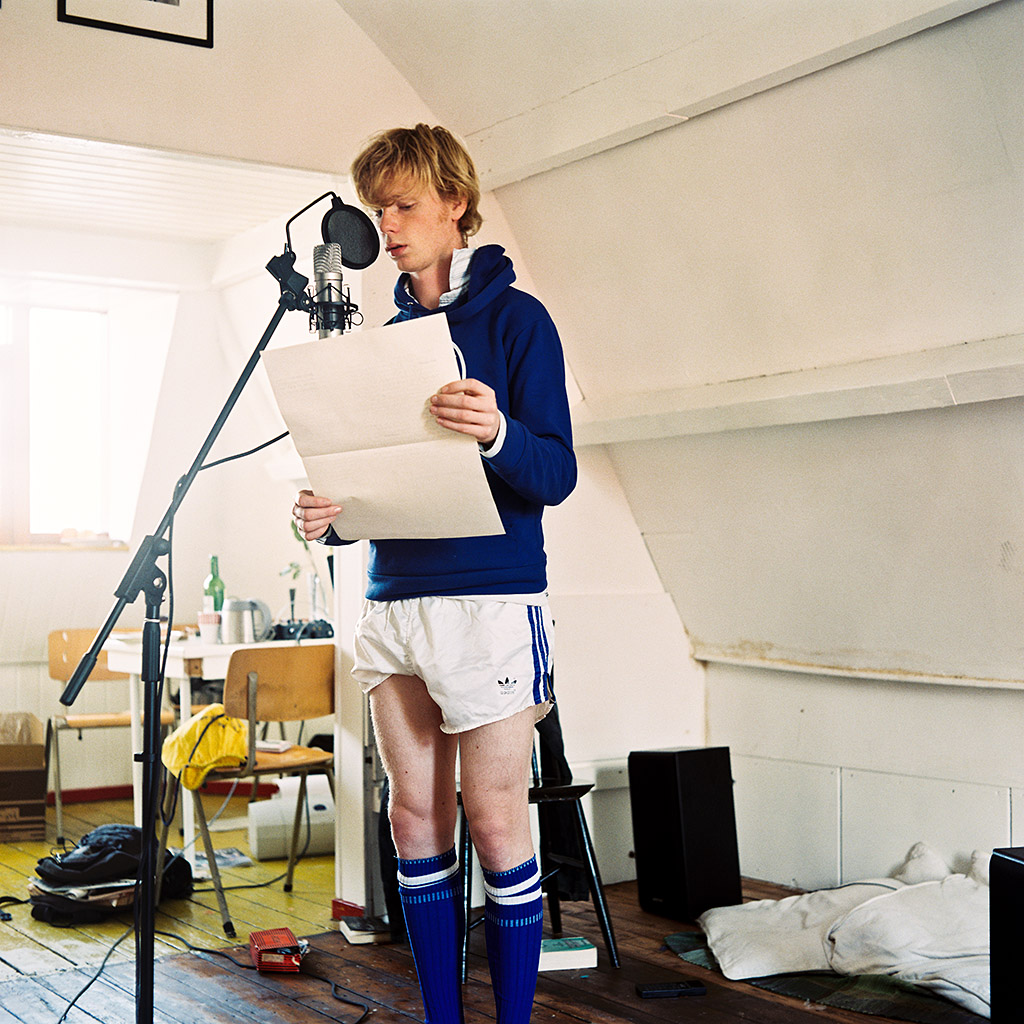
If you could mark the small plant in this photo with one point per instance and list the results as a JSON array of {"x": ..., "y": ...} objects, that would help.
[{"x": 294, "y": 569}]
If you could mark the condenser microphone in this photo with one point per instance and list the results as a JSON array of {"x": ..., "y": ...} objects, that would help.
[{"x": 331, "y": 304}]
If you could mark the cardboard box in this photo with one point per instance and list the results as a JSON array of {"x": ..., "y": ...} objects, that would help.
[{"x": 22, "y": 777}]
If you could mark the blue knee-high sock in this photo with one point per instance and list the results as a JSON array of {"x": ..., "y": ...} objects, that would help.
[
  {"x": 513, "y": 922},
  {"x": 435, "y": 918}
]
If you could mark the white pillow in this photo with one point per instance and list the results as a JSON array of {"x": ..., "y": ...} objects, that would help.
[
  {"x": 979, "y": 866},
  {"x": 922, "y": 864}
]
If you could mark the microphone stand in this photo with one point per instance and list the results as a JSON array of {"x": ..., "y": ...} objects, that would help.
[{"x": 144, "y": 575}]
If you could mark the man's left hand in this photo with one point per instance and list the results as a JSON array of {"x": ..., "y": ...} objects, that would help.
[{"x": 468, "y": 407}]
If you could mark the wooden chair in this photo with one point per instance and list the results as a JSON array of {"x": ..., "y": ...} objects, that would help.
[
  {"x": 66, "y": 647},
  {"x": 272, "y": 684}
]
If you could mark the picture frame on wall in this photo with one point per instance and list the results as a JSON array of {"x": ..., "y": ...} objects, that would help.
[{"x": 177, "y": 21}]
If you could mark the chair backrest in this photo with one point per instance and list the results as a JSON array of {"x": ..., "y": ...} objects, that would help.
[
  {"x": 293, "y": 682},
  {"x": 66, "y": 647}
]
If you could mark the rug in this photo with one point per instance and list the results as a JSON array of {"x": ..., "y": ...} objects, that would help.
[{"x": 872, "y": 994}]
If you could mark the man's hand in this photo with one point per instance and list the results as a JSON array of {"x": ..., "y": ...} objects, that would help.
[
  {"x": 313, "y": 515},
  {"x": 468, "y": 407}
]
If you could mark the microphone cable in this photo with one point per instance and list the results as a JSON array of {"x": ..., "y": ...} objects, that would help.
[{"x": 242, "y": 455}]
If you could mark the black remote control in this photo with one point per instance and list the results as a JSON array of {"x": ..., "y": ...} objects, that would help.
[{"x": 669, "y": 989}]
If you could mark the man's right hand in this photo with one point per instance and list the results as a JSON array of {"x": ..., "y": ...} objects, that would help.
[{"x": 313, "y": 515}]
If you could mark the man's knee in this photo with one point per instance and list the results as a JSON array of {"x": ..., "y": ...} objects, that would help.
[
  {"x": 500, "y": 835},
  {"x": 420, "y": 831}
]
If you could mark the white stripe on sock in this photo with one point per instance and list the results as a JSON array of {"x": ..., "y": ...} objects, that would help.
[
  {"x": 415, "y": 881},
  {"x": 521, "y": 892}
]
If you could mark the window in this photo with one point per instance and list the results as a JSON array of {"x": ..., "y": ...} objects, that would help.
[{"x": 76, "y": 410}]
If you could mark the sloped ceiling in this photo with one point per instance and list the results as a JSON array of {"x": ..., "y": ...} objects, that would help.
[
  {"x": 535, "y": 84},
  {"x": 221, "y": 140}
]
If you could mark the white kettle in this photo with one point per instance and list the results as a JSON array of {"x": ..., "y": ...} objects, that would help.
[{"x": 245, "y": 621}]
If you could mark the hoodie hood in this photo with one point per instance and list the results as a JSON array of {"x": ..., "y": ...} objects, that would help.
[{"x": 490, "y": 273}]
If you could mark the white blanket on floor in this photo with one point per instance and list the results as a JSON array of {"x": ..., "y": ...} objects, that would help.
[{"x": 925, "y": 926}]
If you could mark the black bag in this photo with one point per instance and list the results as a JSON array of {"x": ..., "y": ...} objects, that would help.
[
  {"x": 105, "y": 854},
  {"x": 64, "y": 912},
  {"x": 109, "y": 853}
]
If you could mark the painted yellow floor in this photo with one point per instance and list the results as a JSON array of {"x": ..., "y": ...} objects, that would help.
[{"x": 28, "y": 946}]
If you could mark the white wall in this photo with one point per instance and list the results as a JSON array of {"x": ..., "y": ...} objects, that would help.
[
  {"x": 46, "y": 590},
  {"x": 865, "y": 220},
  {"x": 624, "y": 676},
  {"x": 239, "y": 511},
  {"x": 837, "y": 779}
]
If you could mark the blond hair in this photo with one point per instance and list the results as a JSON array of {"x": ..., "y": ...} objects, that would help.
[{"x": 422, "y": 156}]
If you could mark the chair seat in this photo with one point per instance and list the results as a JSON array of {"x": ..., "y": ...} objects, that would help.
[
  {"x": 270, "y": 763},
  {"x": 106, "y": 720},
  {"x": 553, "y": 792}
]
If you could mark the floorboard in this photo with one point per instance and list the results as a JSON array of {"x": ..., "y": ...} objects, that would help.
[{"x": 43, "y": 968}]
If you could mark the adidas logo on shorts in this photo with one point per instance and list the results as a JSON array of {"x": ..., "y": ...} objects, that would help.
[{"x": 507, "y": 685}]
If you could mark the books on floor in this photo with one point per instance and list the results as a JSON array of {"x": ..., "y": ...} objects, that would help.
[
  {"x": 566, "y": 953},
  {"x": 364, "y": 929}
]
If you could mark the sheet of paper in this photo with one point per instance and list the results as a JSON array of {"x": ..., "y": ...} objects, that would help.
[{"x": 357, "y": 407}]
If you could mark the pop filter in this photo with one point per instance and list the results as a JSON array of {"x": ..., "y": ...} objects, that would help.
[{"x": 354, "y": 232}]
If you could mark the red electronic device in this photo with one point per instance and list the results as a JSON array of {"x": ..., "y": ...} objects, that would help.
[{"x": 275, "y": 949}]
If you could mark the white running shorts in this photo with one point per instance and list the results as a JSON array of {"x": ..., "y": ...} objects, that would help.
[{"x": 482, "y": 660}]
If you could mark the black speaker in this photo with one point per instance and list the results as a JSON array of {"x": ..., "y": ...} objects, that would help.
[
  {"x": 684, "y": 831},
  {"x": 1006, "y": 938}
]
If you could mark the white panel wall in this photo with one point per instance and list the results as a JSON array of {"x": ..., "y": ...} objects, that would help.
[
  {"x": 868, "y": 210},
  {"x": 837, "y": 778},
  {"x": 884, "y": 815},
  {"x": 787, "y": 820}
]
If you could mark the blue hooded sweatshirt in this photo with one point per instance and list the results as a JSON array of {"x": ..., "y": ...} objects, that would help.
[{"x": 507, "y": 340}]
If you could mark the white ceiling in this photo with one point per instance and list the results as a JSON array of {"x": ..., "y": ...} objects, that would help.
[
  {"x": 478, "y": 63},
  {"x": 58, "y": 182}
]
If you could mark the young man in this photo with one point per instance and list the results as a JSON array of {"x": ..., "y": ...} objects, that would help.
[{"x": 454, "y": 643}]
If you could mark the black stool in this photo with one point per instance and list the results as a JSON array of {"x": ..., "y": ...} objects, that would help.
[{"x": 542, "y": 792}]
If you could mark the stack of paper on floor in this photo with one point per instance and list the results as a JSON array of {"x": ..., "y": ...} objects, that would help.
[{"x": 925, "y": 926}]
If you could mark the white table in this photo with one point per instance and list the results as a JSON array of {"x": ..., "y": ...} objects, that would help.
[{"x": 186, "y": 659}]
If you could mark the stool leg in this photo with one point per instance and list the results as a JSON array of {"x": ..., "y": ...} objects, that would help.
[
  {"x": 554, "y": 905},
  {"x": 466, "y": 865},
  {"x": 596, "y": 888}
]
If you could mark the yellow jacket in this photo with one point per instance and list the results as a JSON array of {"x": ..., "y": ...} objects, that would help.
[{"x": 209, "y": 739}]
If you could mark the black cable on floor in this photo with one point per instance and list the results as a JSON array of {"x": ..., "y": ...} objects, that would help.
[
  {"x": 252, "y": 967},
  {"x": 99, "y": 970}
]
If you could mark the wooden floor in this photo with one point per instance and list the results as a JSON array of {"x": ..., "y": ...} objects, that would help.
[{"x": 42, "y": 968}]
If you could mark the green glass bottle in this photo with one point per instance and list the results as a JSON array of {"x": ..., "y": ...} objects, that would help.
[{"x": 213, "y": 585}]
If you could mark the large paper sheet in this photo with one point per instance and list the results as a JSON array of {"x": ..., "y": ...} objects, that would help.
[{"x": 357, "y": 407}]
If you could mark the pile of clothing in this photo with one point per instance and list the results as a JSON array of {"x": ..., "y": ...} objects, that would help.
[
  {"x": 98, "y": 878},
  {"x": 926, "y": 926}
]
